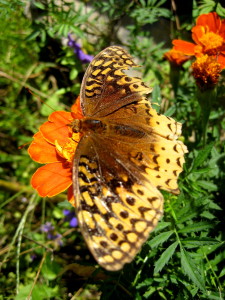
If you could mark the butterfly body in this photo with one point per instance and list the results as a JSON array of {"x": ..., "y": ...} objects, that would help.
[
  {"x": 127, "y": 152},
  {"x": 89, "y": 125}
]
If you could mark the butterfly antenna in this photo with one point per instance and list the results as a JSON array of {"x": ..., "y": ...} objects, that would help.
[
  {"x": 39, "y": 99},
  {"x": 24, "y": 145}
]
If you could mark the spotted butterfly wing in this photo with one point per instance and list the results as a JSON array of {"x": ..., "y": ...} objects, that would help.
[
  {"x": 105, "y": 87},
  {"x": 126, "y": 154}
]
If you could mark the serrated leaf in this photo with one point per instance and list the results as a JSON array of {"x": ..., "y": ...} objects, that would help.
[
  {"x": 207, "y": 185},
  {"x": 146, "y": 282},
  {"x": 189, "y": 267},
  {"x": 199, "y": 241},
  {"x": 200, "y": 226},
  {"x": 202, "y": 171},
  {"x": 161, "y": 226},
  {"x": 151, "y": 290},
  {"x": 165, "y": 257},
  {"x": 207, "y": 215},
  {"x": 201, "y": 157},
  {"x": 170, "y": 111},
  {"x": 187, "y": 217},
  {"x": 220, "y": 10},
  {"x": 160, "y": 238},
  {"x": 213, "y": 205},
  {"x": 222, "y": 273},
  {"x": 216, "y": 295}
]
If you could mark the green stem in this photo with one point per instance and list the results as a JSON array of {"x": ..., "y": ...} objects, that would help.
[
  {"x": 174, "y": 78},
  {"x": 205, "y": 99}
]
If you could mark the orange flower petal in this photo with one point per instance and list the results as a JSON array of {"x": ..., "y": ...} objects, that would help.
[
  {"x": 70, "y": 196},
  {"x": 197, "y": 33},
  {"x": 76, "y": 109},
  {"x": 57, "y": 127},
  {"x": 36, "y": 152},
  {"x": 222, "y": 29},
  {"x": 52, "y": 179},
  {"x": 211, "y": 20},
  {"x": 185, "y": 47},
  {"x": 221, "y": 60},
  {"x": 175, "y": 57}
]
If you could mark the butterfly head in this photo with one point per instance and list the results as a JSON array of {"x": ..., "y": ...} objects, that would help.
[{"x": 76, "y": 125}]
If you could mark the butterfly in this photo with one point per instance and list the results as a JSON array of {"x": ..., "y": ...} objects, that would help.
[{"x": 126, "y": 154}]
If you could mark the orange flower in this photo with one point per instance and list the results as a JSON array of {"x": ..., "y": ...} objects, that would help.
[
  {"x": 54, "y": 145},
  {"x": 206, "y": 71},
  {"x": 176, "y": 58},
  {"x": 209, "y": 38}
]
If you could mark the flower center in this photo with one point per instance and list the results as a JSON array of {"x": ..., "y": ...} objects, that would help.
[
  {"x": 212, "y": 43},
  {"x": 206, "y": 71}
]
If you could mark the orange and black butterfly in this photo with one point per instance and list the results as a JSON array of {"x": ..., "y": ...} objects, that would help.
[{"x": 126, "y": 154}]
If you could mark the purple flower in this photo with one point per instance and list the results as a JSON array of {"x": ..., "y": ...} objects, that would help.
[
  {"x": 33, "y": 257},
  {"x": 51, "y": 235},
  {"x": 47, "y": 227},
  {"x": 83, "y": 57},
  {"x": 56, "y": 236},
  {"x": 70, "y": 217}
]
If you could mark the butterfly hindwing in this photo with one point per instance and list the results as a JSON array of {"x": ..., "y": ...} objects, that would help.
[
  {"x": 156, "y": 150},
  {"x": 116, "y": 210}
]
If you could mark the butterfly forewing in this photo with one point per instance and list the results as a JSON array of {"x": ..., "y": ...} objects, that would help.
[
  {"x": 105, "y": 86},
  {"x": 127, "y": 153}
]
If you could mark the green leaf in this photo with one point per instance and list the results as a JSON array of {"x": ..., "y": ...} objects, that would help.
[
  {"x": 220, "y": 10},
  {"x": 40, "y": 291},
  {"x": 73, "y": 74},
  {"x": 146, "y": 282},
  {"x": 190, "y": 267},
  {"x": 39, "y": 5},
  {"x": 156, "y": 95},
  {"x": 200, "y": 226},
  {"x": 151, "y": 290},
  {"x": 161, "y": 226},
  {"x": 33, "y": 35},
  {"x": 207, "y": 215},
  {"x": 201, "y": 157},
  {"x": 50, "y": 269},
  {"x": 207, "y": 185},
  {"x": 199, "y": 241},
  {"x": 160, "y": 239},
  {"x": 186, "y": 217},
  {"x": 222, "y": 273},
  {"x": 213, "y": 205},
  {"x": 165, "y": 257},
  {"x": 57, "y": 213},
  {"x": 215, "y": 295},
  {"x": 170, "y": 111},
  {"x": 202, "y": 171},
  {"x": 50, "y": 105}
]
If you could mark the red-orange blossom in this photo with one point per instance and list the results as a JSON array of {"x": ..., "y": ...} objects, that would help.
[
  {"x": 54, "y": 145},
  {"x": 209, "y": 39}
]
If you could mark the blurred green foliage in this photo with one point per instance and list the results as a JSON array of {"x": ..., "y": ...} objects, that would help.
[{"x": 184, "y": 256}]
